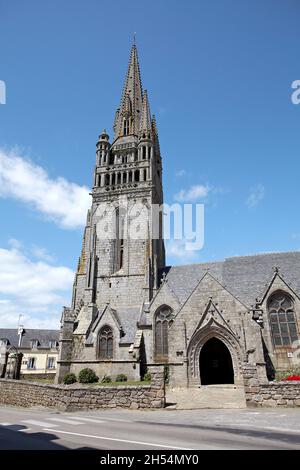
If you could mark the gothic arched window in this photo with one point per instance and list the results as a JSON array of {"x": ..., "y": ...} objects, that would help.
[
  {"x": 105, "y": 342},
  {"x": 163, "y": 320},
  {"x": 282, "y": 319}
]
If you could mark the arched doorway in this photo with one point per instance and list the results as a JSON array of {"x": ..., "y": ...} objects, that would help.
[{"x": 215, "y": 363}]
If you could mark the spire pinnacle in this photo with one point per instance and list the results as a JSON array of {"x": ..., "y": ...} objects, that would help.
[
  {"x": 155, "y": 134},
  {"x": 146, "y": 127},
  {"x": 127, "y": 120}
]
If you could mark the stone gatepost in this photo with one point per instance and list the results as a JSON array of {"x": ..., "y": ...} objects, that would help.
[
  {"x": 65, "y": 344},
  {"x": 3, "y": 360},
  {"x": 158, "y": 385}
]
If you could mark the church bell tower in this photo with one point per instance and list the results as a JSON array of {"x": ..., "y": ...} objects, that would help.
[{"x": 122, "y": 251}]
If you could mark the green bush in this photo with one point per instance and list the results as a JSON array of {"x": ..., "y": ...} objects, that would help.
[
  {"x": 106, "y": 379},
  {"x": 121, "y": 378},
  {"x": 147, "y": 377},
  {"x": 69, "y": 379},
  {"x": 87, "y": 376}
]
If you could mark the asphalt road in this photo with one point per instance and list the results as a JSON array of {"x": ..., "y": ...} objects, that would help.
[{"x": 155, "y": 430}]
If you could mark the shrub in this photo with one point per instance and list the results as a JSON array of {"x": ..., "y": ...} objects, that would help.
[
  {"x": 147, "y": 377},
  {"x": 106, "y": 379},
  {"x": 87, "y": 376},
  {"x": 121, "y": 378},
  {"x": 69, "y": 379}
]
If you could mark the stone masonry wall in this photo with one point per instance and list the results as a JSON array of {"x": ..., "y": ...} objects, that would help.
[
  {"x": 269, "y": 394},
  {"x": 76, "y": 397},
  {"x": 285, "y": 394}
]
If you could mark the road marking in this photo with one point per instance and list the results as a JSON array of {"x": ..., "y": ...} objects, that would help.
[
  {"x": 118, "y": 419},
  {"x": 67, "y": 421},
  {"x": 40, "y": 423},
  {"x": 25, "y": 430},
  {"x": 105, "y": 419},
  {"x": 90, "y": 420},
  {"x": 149, "y": 444},
  {"x": 5, "y": 424}
]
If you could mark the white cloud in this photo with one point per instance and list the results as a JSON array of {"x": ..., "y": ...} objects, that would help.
[
  {"x": 15, "y": 243},
  {"x": 176, "y": 251},
  {"x": 42, "y": 254},
  {"x": 37, "y": 290},
  {"x": 59, "y": 200},
  {"x": 194, "y": 193},
  {"x": 257, "y": 194}
]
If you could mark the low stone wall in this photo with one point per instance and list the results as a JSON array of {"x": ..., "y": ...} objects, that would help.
[
  {"x": 262, "y": 393},
  {"x": 285, "y": 394},
  {"x": 74, "y": 397}
]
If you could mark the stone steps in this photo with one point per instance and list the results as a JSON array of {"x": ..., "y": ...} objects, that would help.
[{"x": 206, "y": 396}]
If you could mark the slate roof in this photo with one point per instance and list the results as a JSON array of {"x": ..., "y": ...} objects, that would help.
[
  {"x": 128, "y": 318},
  {"x": 246, "y": 277},
  {"x": 43, "y": 336}
]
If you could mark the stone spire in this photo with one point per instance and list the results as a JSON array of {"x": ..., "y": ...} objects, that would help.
[
  {"x": 128, "y": 115},
  {"x": 145, "y": 126},
  {"x": 155, "y": 135}
]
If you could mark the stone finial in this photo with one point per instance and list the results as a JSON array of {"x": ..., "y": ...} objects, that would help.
[{"x": 104, "y": 136}]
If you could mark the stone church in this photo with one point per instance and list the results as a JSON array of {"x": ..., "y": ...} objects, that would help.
[{"x": 211, "y": 323}]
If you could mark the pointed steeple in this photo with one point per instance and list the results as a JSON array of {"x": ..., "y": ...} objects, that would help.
[
  {"x": 155, "y": 135},
  {"x": 128, "y": 115},
  {"x": 145, "y": 126}
]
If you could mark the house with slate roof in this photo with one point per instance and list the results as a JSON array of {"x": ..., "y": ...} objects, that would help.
[{"x": 39, "y": 349}]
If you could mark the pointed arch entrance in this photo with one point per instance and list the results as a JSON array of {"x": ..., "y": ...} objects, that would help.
[
  {"x": 215, "y": 363},
  {"x": 201, "y": 351}
]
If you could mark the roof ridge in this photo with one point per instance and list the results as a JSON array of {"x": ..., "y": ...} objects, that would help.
[
  {"x": 266, "y": 253},
  {"x": 220, "y": 261}
]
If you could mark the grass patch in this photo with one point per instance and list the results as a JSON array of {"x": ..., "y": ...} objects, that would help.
[{"x": 42, "y": 381}]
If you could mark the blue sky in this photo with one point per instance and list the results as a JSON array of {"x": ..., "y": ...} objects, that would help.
[{"x": 219, "y": 77}]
